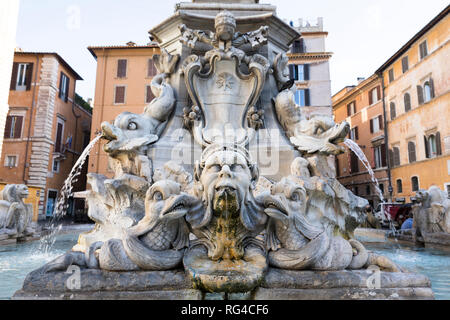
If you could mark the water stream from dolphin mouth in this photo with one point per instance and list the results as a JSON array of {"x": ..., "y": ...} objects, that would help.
[
  {"x": 354, "y": 147},
  {"x": 46, "y": 242}
]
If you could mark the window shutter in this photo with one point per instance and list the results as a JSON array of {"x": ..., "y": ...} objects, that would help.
[
  {"x": 432, "y": 88},
  {"x": 380, "y": 121},
  {"x": 407, "y": 100},
  {"x": 8, "y": 127},
  {"x": 372, "y": 162},
  {"x": 29, "y": 76},
  {"x": 151, "y": 68},
  {"x": 149, "y": 96},
  {"x": 371, "y": 125},
  {"x": 18, "y": 127},
  {"x": 420, "y": 95},
  {"x": 356, "y": 133},
  {"x": 383, "y": 155},
  {"x": 120, "y": 94},
  {"x": 306, "y": 72},
  {"x": 66, "y": 97},
  {"x": 427, "y": 149},
  {"x": 349, "y": 110},
  {"x": 393, "y": 113},
  {"x": 302, "y": 46},
  {"x": 391, "y": 158},
  {"x": 291, "y": 72},
  {"x": 405, "y": 64},
  {"x": 14, "y": 76},
  {"x": 307, "y": 98},
  {"x": 370, "y": 98},
  {"x": 378, "y": 94},
  {"x": 58, "y": 138},
  {"x": 60, "y": 85},
  {"x": 121, "y": 68},
  {"x": 396, "y": 156},
  {"x": 412, "y": 152},
  {"x": 438, "y": 144}
]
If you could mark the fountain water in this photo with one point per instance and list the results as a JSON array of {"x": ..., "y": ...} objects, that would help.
[
  {"x": 354, "y": 147},
  {"x": 46, "y": 242}
]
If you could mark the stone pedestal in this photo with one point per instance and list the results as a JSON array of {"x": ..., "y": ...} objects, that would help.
[{"x": 175, "y": 285}]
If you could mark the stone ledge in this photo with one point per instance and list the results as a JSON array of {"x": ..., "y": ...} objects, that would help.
[
  {"x": 277, "y": 278},
  {"x": 99, "y": 280},
  {"x": 344, "y": 294},
  {"x": 173, "y": 285},
  {"x": 187, "y": 294}
]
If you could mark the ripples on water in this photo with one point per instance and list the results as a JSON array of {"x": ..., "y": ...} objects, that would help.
[
  {"x": 16, "y": 261},
  {"x": 433, "y": 263}
]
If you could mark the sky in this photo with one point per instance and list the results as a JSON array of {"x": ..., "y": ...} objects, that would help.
[{"x": 363, "y": 34}]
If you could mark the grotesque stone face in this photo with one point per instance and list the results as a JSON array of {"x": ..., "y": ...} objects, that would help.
[
  {"x": 129, "y": 131},
  {"x": 227, "y": 178}
]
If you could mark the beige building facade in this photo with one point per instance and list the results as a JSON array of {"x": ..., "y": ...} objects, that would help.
[
  {"x": 124, "y": 74},
  {"x": 417, "y": 100}
]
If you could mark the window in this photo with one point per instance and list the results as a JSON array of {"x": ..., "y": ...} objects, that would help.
[
  {"x": 55, "y": 166},
  {"x": 427, "y": 92},
  {"x": 447, "y": 187},
  {"x": 399, "y": 186},
  {"x": 368, "y": 191},
  {"x": 351, "y": 108},
  {"x": 13, "y": 127},
  {"x": 21, "y": 76},
  {"x": 11, "y": 161},
  {"x": 381, "y": 186},
  {"x": 379, "y": 154},
  {"x": 396, "y": 151},
  {"x": 121, "y": 68},
  {"x": 59, "y": 135},
  {"x": 298, "y": 46},
  {"x": 149, "y": 96},
  {"x": 374, "y": 95},
  {"x": 393, "y": 112},
  {"x": 119, "y": 97},
  {"x": 407, "y": 101},
  {"x": 299, "y": 72},
  {"x": 423, "y": 49},
  {"x": 391, "y": 75},
  {"x": 405, "y": 64},
  {"x": 302, "y": 97},
  {"x": 354, "y": 163},
  {"x": 433, "y": 145},
  {"x": 354, "y": 134},
  {"x": 376, "y": 124},
  {"x": 151, "y": 70},
  {"x": 355, "y": 190},
  {"x": 415, "y": 183},
  {"x": 411, "y": 152},
  {"x": 64, "y": 83}
]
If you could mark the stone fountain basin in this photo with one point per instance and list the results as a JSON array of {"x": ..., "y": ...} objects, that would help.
[{"x": 175, "y": 285}]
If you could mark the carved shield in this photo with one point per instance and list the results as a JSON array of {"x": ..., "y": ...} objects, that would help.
[{"x": 224, "y": 94}]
